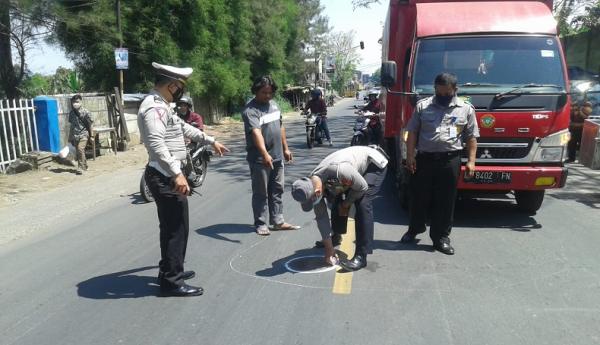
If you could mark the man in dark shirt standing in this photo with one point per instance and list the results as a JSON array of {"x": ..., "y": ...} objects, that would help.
[
  {"x": 318, "y": 107},
  {"x": 267, "y": 147}
]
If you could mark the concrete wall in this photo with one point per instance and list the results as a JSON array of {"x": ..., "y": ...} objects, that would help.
[{"x": 96, "y": 104}]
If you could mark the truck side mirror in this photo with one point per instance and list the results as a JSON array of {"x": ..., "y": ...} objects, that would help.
[{"x": 388, "y": 73}]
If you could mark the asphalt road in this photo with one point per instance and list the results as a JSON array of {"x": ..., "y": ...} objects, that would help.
[{"x": 515, "y": 279}]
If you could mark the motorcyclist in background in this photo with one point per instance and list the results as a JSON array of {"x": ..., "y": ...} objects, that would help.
[
  {"x": 374, "y": 105},
  {"x": 317, "y": 106},
  {"x": 184, "y": 111}
]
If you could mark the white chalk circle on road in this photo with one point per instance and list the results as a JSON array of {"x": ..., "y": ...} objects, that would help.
[{"x": 308, "y": 264}]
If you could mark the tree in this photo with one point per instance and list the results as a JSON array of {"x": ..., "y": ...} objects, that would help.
[
  {"x": 363, "y": 3},
  {"x": 22, "y": 24},
  {"x": 228, "y": 43},
  {"x": 341, "y": 48}
]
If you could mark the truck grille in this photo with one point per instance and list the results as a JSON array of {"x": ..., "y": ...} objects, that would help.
[{"x": 502, "y": 148}]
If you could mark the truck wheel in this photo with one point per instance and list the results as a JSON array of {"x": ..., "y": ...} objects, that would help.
[{"x": 529, "y": 201}]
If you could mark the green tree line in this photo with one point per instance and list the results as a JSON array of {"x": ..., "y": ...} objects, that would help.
[{"x": 227, "y": 42}]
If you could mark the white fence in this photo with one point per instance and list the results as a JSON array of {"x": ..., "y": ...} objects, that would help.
[{"x": 18, "y": 131}]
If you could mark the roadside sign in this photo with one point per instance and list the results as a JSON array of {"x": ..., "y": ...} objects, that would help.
[{"x": 122, "y": 58}]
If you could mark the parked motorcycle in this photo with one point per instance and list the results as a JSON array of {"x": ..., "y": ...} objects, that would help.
[
  {"x": 367, "y": 129},
  {"x": 313, "y": 129},
  {"x": 195, "y": 169}
]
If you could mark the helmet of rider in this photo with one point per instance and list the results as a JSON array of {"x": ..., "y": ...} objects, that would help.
[
  {"x": 315, "y": 93},
  {"x": 185, "y": 100},
  {"x": 373, "y": 94}
]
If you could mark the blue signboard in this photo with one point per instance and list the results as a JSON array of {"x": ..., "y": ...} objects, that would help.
[{"x": 122, "y": 58}]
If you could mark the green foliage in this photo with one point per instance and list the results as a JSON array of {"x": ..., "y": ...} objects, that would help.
[
  {"x": 35, "y": 85},
  {"x": 227, "y": 42},
  {"x": 284, "y": 104}
]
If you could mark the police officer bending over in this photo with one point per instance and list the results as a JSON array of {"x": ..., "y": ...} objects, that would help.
[
  {"x": 437, "y": 129},
  {"x": 163, "y": 135},
  {"x": 351, "y": 176}
]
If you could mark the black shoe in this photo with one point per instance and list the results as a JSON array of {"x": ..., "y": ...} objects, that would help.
[
  {"x": 181, "y": 291},
  {"x": 409, "y": 237},
  {"x": 185, "y": 275},
  {"x": 444, "y": 247},
  {"x": 354, "y": 264},
  {"x": 336, "y": 239}
]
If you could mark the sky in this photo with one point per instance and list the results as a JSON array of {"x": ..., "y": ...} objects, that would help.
[{"x": 366, "y": 23}]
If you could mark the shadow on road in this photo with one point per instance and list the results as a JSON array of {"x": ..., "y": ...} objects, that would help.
[
  {"x": 137, "y": 199},
  {"x": 503, "y": 214},
  {"x": 216, "y": 231},
  {"x": 119, "y": 285},
  {"x": 278, "y": 266}
]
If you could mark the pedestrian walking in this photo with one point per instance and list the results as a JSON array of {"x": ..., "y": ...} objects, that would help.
[
  {"x": 163, "y": 134},
  {"x": 350, "y": 176},
  {"x": 80, "y": 132},
  {"x": 267, "y": 148},
  {"x": 437, "y": 130}
]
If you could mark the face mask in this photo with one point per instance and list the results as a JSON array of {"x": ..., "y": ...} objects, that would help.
[
  {"x": 444, "y": 100},
  {"x": 76, "y": 105},
  {"x": 177, "y": 94}
]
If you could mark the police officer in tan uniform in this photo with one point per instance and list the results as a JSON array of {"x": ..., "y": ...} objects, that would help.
[
  {"x": 163, "y": 134},
  {"x": 437, "y": 130}
]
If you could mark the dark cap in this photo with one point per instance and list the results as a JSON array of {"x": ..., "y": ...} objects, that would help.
[
  {"x": 303, "y": 192},
  {"x": 175, "y": 73}
]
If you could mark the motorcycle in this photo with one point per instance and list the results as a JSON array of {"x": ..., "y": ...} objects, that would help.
[
  {"x": 330, "y": 101},
  {"x": 195, "y": 169},
  {"x": 313, "y": 129},
  {"x": 367, "y": 129}
]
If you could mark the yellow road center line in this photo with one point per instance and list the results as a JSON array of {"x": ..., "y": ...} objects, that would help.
[{"x": 343, "y": 280}]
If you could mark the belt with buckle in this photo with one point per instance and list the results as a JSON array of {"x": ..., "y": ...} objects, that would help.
[{"x": 439, "y": 155}]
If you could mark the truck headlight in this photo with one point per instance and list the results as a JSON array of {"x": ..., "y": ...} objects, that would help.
[
  {"x": 552, "y": 147},
  {"x": 549, "y": 154}
]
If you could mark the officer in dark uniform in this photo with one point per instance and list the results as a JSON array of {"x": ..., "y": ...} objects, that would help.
[
  {"x": 163, "y": 134},
  {"x": 438, "y": 128}
]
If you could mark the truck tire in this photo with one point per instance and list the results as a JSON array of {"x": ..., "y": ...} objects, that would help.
[{"x": 529, "y": 201}]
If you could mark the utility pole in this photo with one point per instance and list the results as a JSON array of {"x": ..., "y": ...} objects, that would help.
[{"x": 118, "y": 14}]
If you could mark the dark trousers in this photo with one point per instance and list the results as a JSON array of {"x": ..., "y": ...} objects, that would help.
[
  {"x": 364, "y": 222},
  {"x": 574, "y": 142},
  {"x": 173, "y": 220},
  {"x": 433, "y": 194},
  {"x": 324, "y": 127}
]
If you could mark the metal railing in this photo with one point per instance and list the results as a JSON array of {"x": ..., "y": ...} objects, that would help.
[{"x": 18, "y": 130}]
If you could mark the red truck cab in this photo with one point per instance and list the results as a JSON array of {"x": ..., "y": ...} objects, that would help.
[{"x": 510, "y": 66}]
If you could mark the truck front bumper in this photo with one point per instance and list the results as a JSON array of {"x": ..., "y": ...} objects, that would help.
[{"x": 521, "y": 178}]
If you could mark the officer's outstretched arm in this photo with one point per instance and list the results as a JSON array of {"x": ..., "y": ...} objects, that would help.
[{"x": 197, "y": 135}]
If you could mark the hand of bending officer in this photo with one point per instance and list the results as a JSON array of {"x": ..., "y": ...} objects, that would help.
[{"x": 181, "y": 185}]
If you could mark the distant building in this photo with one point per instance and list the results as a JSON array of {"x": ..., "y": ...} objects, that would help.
[{"x": 366, "y": 78}]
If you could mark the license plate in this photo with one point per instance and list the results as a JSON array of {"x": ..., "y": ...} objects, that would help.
[{"x": 489, "y": 177}]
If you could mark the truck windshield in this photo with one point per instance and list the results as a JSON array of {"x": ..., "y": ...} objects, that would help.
[{"x": 491, "y": 63}]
